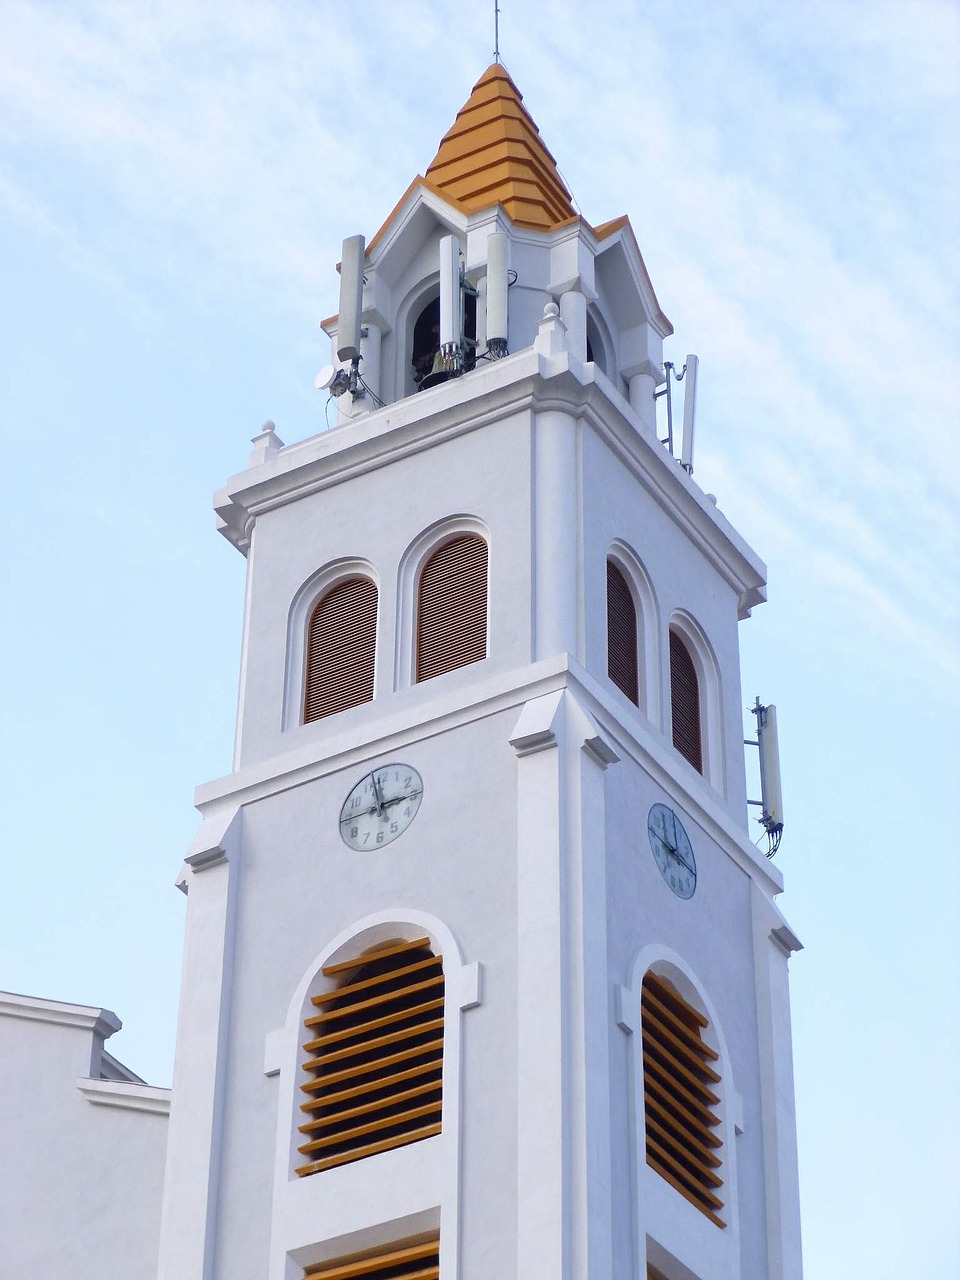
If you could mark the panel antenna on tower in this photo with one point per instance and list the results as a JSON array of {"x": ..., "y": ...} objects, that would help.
[
  {"x": 351, "y": 299},
  {"x": 771, "y": 792}
]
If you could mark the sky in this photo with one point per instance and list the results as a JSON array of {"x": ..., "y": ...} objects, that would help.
[{"x": 175, "y": 183}]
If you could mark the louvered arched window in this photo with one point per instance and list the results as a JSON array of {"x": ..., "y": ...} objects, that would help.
[
  {"x": 452, "y": 607},
  {"x": 375, "y": 1056},
  {"x": 679, "y": 1096},
  {"x": 410, "y": 1261},
  {"x": 622, "y": 665},
  {"x": 685, "y": 702},
  {"x": 341, "y": 649}
]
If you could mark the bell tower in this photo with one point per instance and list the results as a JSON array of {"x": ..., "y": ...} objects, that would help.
[{"x": 483, "y": 974}]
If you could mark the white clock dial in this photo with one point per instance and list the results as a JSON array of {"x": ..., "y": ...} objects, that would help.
[
  {"x": 672, "y": 850},
  {"x": 381, "y": 806}
]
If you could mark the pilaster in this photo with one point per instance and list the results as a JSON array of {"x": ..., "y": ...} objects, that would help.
[
  {"x": 194, "y": 1144},
  {"x": 564, "y": 1225}
]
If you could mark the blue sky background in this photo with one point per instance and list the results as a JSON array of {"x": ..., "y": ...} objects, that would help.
[{"x": 175, "y": 182}]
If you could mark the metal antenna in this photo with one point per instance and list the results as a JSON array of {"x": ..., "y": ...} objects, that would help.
[{"x": 496, "y": 30}]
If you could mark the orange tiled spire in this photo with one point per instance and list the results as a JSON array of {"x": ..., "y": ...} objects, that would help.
[{"x": 493, "y": 155}]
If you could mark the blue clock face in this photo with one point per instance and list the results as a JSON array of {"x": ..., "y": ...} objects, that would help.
[{"x": 672, "y": 850}]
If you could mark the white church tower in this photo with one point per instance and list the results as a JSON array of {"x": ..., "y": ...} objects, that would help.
[{"x": 483, "y": 972}]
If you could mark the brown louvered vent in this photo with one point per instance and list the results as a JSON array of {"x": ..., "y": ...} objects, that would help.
[
  {"x": 621, "y": 634},
  {"x": 375, "y": 1056},
  {"x": 685, "y": 702},
  {"x": 341, "y": 648},
  {"x": 420, "y": 1261},
  {"x": 679, "y": 1101},
  {"x": 452, "y": 607}
]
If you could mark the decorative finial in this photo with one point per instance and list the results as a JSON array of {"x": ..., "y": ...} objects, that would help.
[
  {"x": 551, "y": 339},
  {"x": 496, "y": 30},
  {"x": 266, "y": 445}
]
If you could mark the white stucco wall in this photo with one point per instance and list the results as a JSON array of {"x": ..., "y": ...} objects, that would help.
[
  {"x": 529, "y": 851},
  {"x": 82, "y": 1167}
]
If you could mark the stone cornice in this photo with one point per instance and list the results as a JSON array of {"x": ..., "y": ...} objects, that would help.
[
  {"x": 628, "y": 730},
  {"x": 125, "y": 1095},
  {"x": 101, "y": 1022},
  {"x": 521, "y": 383}
]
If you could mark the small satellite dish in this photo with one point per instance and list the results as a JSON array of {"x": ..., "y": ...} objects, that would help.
[{"x": 325, "y": 377}]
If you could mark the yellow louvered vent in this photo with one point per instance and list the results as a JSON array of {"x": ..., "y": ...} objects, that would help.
[
  {"x": 341, "y": 649},
  {"x": 621, "y": 634},
  {"x": 397, "y": 1262},
  {"x": 685, "y": 702},
  {"x": 679, "y": 1101},
  {"x": 375, "y": 1056},
  {"x": 452, "y": 607}
]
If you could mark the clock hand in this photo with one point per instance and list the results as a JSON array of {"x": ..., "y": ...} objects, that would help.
[
  {"x": 378, "y": 794},
  {"x": 361, "y": 813},
  {"x": 683, "y": 862},
  {"x": 399, "y": 799}
]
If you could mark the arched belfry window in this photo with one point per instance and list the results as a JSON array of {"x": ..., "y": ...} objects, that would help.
[
  {"x": 375, "y": 1055},
  {"x": 685, "y": 702},
  {"x": 452, "y": 607},
  {"x": 596, "y": 348},
  {"x": 426, "y": 341},
  {"x": 680, "y": 1101},
  {"x": 428, "y": 367},
  {"x": 622, "y": 646},
  {"x": 341, "y": 646}
]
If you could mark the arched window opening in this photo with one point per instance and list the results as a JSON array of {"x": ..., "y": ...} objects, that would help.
[
  {"x": 685, "y": 702},
  {"x": 622, "y": 663},
  {"x": 412, "y": 1260},
  {"x": 426, "y": 340},
  {"x": 375, "y": 1056},
  {"x": 469, "y": 331},
  {"x": 429, "y": 367},
  {"x": 452, "y": 607},
  {"x": 341, "y": 649},
  {"x": 679, "y": 1099},
  {"x": 595, "y": 345}
]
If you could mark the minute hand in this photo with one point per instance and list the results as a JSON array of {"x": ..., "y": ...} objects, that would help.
[{"x": 378, "y": 795}]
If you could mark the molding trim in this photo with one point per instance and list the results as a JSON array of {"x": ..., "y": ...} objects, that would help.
[
  {"x": 208, "y": 848},
  {"x": 102, "y": 1022},
  {"x": 628, "y": 732},
  {"x": 522, "y": 382},
  {"x": 126, "y": 1096},
  {"x": 786, "y": 939},
  {"x": 535, "y": 729}
]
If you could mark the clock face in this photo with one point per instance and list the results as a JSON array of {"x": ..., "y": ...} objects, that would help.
[
  {"x": 381, "y": 806},
  {"x": 672, "y": 850}
]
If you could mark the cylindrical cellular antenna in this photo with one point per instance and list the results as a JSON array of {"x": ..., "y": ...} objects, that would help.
[
  {"x": 770, "y": 790},
  {"x": 451, "y": 321},
  {"x": 497, "y": 294},
  {"x": 351, "y": 298},
  {"x": 689, "y": 412}
]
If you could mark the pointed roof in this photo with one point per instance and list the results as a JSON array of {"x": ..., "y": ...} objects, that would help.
[{"x": 493, "y": 155}]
